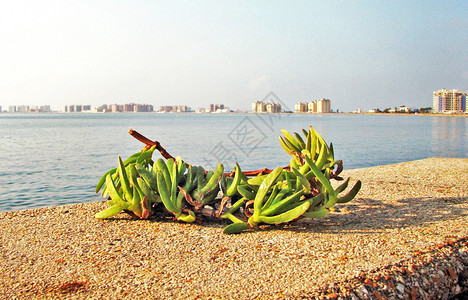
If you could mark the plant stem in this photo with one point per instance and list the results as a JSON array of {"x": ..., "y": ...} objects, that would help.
[{"x": 149, "y": 143}]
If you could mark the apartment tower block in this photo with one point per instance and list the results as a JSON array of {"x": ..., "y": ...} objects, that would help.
[{"x": 446, "y": 101}]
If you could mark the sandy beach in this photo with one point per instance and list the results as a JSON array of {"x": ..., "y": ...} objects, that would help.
[{"x": 404, "y": 236}]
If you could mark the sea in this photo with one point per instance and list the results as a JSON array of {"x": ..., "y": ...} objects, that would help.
[{"x": 56, "y": 159}]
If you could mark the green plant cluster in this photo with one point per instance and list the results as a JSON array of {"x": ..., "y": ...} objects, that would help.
[{"x": 143, "y": 187}]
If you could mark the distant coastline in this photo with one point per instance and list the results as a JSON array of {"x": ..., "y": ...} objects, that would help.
[
  {"x": 244, "y": 112},
  {"x": 417, "y": 114}
]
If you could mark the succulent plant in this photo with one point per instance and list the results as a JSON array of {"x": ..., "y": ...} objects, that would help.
[{"x": 141, "y": 186}]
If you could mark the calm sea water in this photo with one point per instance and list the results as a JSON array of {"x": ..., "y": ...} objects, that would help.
[{"x": 54, "y": 159}]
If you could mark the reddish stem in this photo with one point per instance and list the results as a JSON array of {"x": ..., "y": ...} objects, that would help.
[{"x": 149, "y": 143}]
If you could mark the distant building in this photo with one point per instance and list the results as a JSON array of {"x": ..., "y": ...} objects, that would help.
[
  {"x": 273, "y": 108},
  {"x": 129, "y": 107},
  {"x": 33, "y": 109},
  {"x": 181, "y": 108},
  {"x": 301, "y": 107},
  {"x": 174, "y": 109},
  {"x": 312, "y": 107},
  {"x": 102, "y": 108},
  {"x": 45, "y": 109},
  {"x": 318, "y": 106},
  {"x": 116, "y": 108},
  {"x": 77, "y": 108},
  {"x": 143, "y": 108},
  {"x": 446, "y": 101},
  {"x": 262, "y": 107},
  {"x": 259, "y": 107},
  {"x": 23, "y": 108},
  {"x": 166, "y": 108},
  {"x": 403, "y": 109},
  {"x": 215, "y": 107},
  {"x": 323, "y": 106},
  {"x": 28, "y": 109}
]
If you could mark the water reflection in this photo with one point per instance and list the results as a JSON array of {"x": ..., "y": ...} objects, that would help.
[{"x": 449, "y": 136}]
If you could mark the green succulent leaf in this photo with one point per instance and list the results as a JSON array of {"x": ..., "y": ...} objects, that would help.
[
  {"x": 113, "y": 193},
  {"x": 110, "y": 212},
  {"x": 342, "y": 187},
  {"x": 246, "y": 191},
  {"x": 145, "y": 156},
  {"x": 286, "y": 216},
  {"x": 285, "y": 146},
  {"x": 164, "y": 192},
  {"x": 125, "y": 183},
  {"x": 351, "y": 194},
  {"x": 299, "y": 139},
  {"x": 291, "y": 141},
  {"x": 232, "y": 189},
  {"x": 317, "y": 214},
  {"x": 264, "y": 189},
  {"x": 323, "y": 180},
  {"x": 148, "y": 177},
  {"x": 187, "y": 218},
  {"x": 103, "y": 179},
  {"x": 274, "y": 208},
  {"x": 236, "y": 228}
]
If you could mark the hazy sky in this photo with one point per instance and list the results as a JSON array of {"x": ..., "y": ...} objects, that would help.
[{"x": 367, "y": 54}]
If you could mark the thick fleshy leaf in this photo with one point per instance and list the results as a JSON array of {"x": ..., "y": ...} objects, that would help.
[
  {"x": 236, "y": 228},
  {"x": 110, "y": 212},
  {"x": 287, "y": 216},
  {"x": 264, "y": 188},
  {"x": 103, "y": 179},
  {"x": 124, "y": 181},
  {"x": 274, "y": 208},
  {"x": 351, "y": 194},
  {"x": 319, "y": 213}
]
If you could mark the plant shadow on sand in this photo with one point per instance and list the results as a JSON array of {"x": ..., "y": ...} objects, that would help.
[
  {"x": 362, "y": 215},
  {"x": 366, "y": 215}
]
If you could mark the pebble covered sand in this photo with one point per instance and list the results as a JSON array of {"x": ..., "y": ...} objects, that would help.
[{"x": 405, "y": 236}]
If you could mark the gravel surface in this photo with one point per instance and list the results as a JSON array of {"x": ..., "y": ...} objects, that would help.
[{"x": 404, "y": 236}]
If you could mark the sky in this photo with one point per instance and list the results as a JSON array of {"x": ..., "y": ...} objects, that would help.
[{"x": 358, "y": 54}]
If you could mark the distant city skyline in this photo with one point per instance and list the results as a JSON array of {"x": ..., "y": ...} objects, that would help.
[
  {"x": 444, "y": 101},
  {"x": 365, "y": 54}
]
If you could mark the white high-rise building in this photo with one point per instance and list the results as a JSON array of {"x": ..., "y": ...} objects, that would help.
[
  {"x": 446, "y": 101},
  {"x": 323, "y": 106}
]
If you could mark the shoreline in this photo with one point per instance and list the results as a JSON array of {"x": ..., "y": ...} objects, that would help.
[
  {"x": 405, "y": 235},
  {"x": 240, "y": 112}
]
